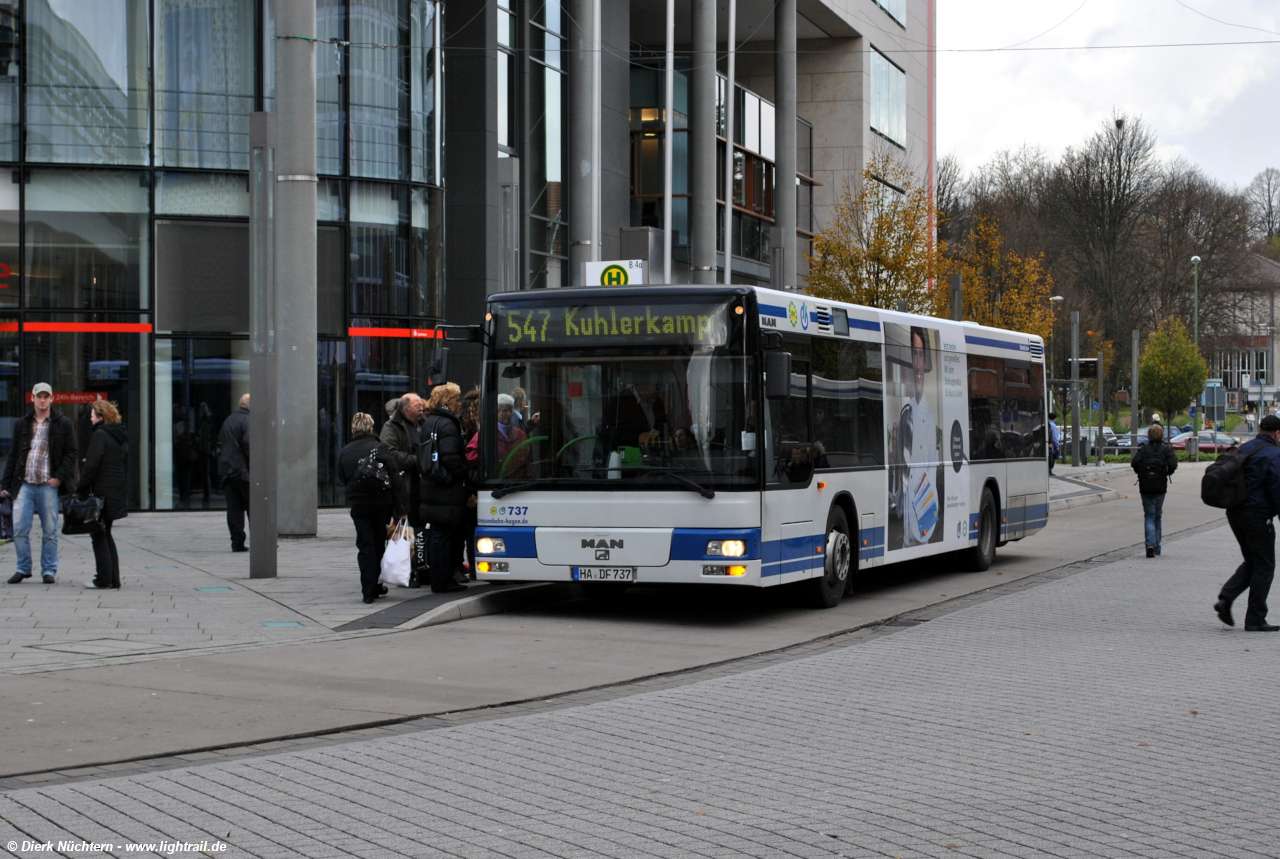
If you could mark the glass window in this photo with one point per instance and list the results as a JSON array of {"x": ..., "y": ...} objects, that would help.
[
  {"x": 330, "y": 280},
  {"x": 804, "y": 147},
  {"x": 204, "y": 71},
  {"x": 985, "y": 383},
  {"x": 377, "y": 94},
  {"x": 86, "y": 236},
  {"x": 202, "y": 276},
  {"x": 331, "y": 203},
  {"x": 767, "y": 138},
  {"x": 331, "y": 23},
  {"x": 383, "y": 368},
  {"x": 10, "y": 265},
  {"x": 897, "y": 10},
  {"x": 199, "y": 383},
  {"x": 424, "y": 91},
  {"x": 92, "y": 362},
  {"x": 426, "y": 230},
  {"x": 546, "y": 139},
  {"x": 210, "y": 195},
  {"x": 12, "y": 392},
  {"x": 848, "y": 404},
  {"x": 888, "y": 99},
  {"x": 751, "y": 122},
  {"x": 333, "y": 421},
  {"x": 380, "y": 276},
  {"x": 10, "y": 31},
  {"x": 788, "y": 446},
  {"x": 87, "y": 90}
]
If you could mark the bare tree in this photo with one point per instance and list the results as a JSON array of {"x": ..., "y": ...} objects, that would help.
[
  {"x": 951, "y": 198},
  {"x": 1263, "y": 195}
]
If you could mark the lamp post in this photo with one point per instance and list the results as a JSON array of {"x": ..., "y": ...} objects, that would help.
[{"x": 1195, "y": 298}]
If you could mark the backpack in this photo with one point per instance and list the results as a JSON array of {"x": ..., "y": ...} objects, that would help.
[
  {"x": 429, "y": 463},
  {"x": 371, "y": 477},
  {"x": 1223, "y": 484},
  {"x": 1153, "y": 473}
]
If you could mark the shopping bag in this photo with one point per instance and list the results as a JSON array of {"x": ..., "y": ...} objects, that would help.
[{"x": 396, "y": 560}]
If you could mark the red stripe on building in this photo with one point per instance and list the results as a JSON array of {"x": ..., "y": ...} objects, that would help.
[
  {"x": 89, "y": 327},
  {"x": 428, "y": 333},
  {"x": 8, "y": 326}
]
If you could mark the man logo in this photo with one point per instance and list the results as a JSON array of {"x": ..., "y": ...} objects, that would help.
[
  {"x": 602, "y": 554},
  {"x": 614, "y": 275},
  {"x": 601, "y": 544}
]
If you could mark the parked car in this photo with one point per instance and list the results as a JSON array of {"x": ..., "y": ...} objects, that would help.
[
  {"x": 1089, "y": 435},
  {"x": 1209, "y": 441}
]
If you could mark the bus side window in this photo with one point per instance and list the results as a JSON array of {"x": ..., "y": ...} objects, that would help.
[
  {"x": 791, "y": 460},
  {"x": 985, "y": 382}
]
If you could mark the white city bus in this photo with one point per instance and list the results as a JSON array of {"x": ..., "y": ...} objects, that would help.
[{"x": 742, "y": 436}]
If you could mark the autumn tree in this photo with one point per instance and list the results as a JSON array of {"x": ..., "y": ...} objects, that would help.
[
  {"x": 1002, "y": 288},
  {"x": 1172, "y": 371},
  {"x": 878, "y": 248}
]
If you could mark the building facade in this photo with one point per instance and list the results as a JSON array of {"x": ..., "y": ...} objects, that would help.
[{"x": 457, "y": 156}]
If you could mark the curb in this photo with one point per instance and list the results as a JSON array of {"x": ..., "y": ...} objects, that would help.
[
  {"x": 532, "y": 595},
  {"x": 1085, "y": 498}
]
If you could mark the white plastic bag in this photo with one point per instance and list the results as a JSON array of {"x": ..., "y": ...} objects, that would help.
[{"x": 396, "y": 560}]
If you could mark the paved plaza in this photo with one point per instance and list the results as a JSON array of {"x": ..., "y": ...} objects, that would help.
[{"x": 1098, "y": 714}]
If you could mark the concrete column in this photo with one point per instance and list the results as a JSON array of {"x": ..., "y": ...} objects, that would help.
[
  {"x": 702, "y": 142},
  {"x": 263, "y": 453},
  {"x": 295, "y": 266},
  {"x": 784, "y": 197},
  {"x": 583, "y": 167}
]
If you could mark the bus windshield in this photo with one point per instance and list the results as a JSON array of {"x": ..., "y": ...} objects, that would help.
[{"x": 669, "y": 404}]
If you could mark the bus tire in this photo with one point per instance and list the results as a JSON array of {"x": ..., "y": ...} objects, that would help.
[
  {"x": 979, "y": 558},
  {"x": 826, "y": 590},
  {"x": 603, "y": 590}
]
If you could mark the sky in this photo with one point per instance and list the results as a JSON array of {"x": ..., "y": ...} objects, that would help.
[{"x": 1217, "y": 107}]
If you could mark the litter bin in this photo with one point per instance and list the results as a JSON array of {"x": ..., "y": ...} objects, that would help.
[{"x": 1193, "y": 447}]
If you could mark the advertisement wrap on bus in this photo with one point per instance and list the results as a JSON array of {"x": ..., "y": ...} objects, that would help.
[{"x": 744, "y": 436}]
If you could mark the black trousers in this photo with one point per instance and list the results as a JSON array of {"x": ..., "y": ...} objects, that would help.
[
  {"x": 237, "y": 510},
  {"x": 105, "y": 557},
  {"x": 1257, "y": 539},
  {"x": 441, "y": 554},
  {"x": 371, "y": 541}
]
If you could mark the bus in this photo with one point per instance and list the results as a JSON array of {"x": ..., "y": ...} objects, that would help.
[{"x": 742, "y": 436}]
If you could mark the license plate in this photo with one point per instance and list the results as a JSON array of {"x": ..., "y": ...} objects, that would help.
[{"x": 604, "y": 574}]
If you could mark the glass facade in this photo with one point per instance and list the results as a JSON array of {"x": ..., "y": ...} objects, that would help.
[
  {"x": 888, "y": 99},
  {"x": 124, "y": 207}
]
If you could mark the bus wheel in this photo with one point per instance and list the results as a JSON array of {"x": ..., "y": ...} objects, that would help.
[
  {"x": 830, "y": 586},
  {"x": 979, "y": 558}
]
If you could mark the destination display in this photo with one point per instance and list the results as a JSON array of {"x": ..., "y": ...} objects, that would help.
[{"x": 612, "y": 323}]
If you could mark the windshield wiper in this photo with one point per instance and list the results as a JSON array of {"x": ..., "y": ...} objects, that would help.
[
  {"x": 670, "y": 472},
  {"x": 520, "y": 487}
]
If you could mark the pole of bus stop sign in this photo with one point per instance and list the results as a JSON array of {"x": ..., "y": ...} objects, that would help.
[
  {"x": 1102, "y": 414},
  {"x": 262, "y": 356},
  {"x": 1075, "y": 388},
  {"x": 1133, "y": 398}
]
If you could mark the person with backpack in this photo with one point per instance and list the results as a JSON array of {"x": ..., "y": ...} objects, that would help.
[
  {"x": 1251, "y": 523},
  {"x": 1154, "y": 462},
  {"x": 445, "y": 495},
  {"x": 376, "y": 496}
]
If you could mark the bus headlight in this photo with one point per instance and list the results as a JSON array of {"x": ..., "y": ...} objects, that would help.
[
  {"x": 491, "y": 546},
  {"x": 727, "y": 548}
]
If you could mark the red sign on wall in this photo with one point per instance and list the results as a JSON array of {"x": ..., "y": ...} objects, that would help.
[{"x": 73, "y": 397}]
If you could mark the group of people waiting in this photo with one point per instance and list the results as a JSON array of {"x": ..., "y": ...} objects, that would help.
[{"x": 441, "y": 510}]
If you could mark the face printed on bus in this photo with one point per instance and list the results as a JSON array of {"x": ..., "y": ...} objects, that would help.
[{"x": 918, "y": 362}]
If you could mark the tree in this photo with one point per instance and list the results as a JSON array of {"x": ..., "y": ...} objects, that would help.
[
  {"x": 1263, "y": 195},
  {"x": 1001, "y": 288},
  {"x": 1172, "y": 370},
  {"x": 878, "y": 248}
]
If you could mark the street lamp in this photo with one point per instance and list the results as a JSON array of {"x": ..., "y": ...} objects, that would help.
[{"x": 1195, "y": 298}]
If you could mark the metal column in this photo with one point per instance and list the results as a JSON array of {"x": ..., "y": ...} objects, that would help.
[
  {"x": 583, "y": 153},
  {"x": 1133, "y": 397},
  {"x": 1100, "y": 440},
  {"x": 957, "y": 299},
  {"x": 295, "y": 265},
  {"x": 730, "y": 89},
  {"x": 1075, "y": 388},
  {"x": 702, "y": 142},
  {"x": 262, "y": 357},
  {"x": 668, "y": 142},
  {"x": 784, "y": 197}
]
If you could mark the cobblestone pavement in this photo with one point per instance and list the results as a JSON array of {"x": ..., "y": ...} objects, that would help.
[
  {"x": 1104, "y": 714},
  {"x": 183, "y": 590}
]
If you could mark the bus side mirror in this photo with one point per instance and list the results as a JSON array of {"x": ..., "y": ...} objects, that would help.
[{"x": 777, "y": 375}]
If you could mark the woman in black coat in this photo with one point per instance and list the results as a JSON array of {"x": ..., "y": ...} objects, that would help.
[
  {"x": 444, "y": 504},
  {"x": 372, "y": 506},
  {"x": 103, "y": 473}
]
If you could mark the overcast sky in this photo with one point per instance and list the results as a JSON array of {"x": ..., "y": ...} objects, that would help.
[{"x": 1218, "y": 107}]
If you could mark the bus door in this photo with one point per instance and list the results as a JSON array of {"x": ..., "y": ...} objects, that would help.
[{"x": 792, "y": 533}]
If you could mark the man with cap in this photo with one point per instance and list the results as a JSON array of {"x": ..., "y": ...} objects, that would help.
[
  {"x": 41, "y": 467},
  {"x": 1254, "y": 531}
]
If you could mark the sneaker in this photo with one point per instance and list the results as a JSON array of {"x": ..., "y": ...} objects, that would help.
[
  {"x": 48, "y": 579},
  {"x": 95, "y": 587},
  {"x": 17, "y": 578}
]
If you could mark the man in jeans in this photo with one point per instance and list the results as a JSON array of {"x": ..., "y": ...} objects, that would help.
[
  {"x": 1153, "y": 462},
  {"x": 41, "y": 466},
  {"x": 1251, "y": 524}
]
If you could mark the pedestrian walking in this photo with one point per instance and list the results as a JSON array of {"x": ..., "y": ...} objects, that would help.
[
  {"x": 444, "y": 502},
  {"x": 1055, "y": 440},
  {"x": 1249, "y": 420},
  {"x": 1252, "y": 525},
  {"x": 233, "y": 469},
  {"x": 469, "y": 420},
  {"x": 400, "y": 437},
  {"x": 104, "y": 474},
  {"x": 41, "y": 466},
  {"x": 1154, "y": 462},
  {"x": 374, "y": 502}
]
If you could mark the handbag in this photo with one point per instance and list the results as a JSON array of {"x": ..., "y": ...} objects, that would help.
[
  {"x": 396, "y": 560},
  {"x": 81, "y": 515}
]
